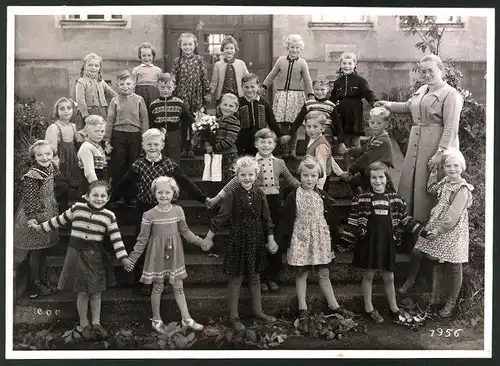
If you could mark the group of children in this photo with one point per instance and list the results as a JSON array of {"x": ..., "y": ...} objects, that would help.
[{"x": 156, "y": 121}]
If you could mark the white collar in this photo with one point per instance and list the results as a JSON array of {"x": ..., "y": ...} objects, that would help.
[
  {"x": 257, "y": 98},
  {"x": 311, "y": 141},
  {"x": 258, "y": 156},
  {"x": 144, "y": 65}
]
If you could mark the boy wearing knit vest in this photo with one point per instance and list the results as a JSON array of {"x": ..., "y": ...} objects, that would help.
[
  {"x": 172, "y": 115},
  {"x": 127, "y": 120},
  {"x": 377, "y": 148},
  {"x": 272, "y": 169},
  {"x": 255, "y": 113},
  {"x": 333, "y": 126}
]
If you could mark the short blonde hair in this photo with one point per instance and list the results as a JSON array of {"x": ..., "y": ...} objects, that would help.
[
  {"x": 94, "y": 120},
  {"x": 37, "y": 144},
  {"x": 348, "y": 56},
  {"x": 232, "y": 98},
  {"x": 153, "y": 133},
  {"x": 310, "y": 162},
  {"x": 453, "y": 153},
  {"x": 245, "y": 162},
  {"x": 380, "y": 112},
  {"x": 55, "y": 110},
  {"x": 435, "y": 58},
  {"x": 167, "y": 180},
  {"x": 318, "y": 116},
  {"x": 294, "y": 38}
]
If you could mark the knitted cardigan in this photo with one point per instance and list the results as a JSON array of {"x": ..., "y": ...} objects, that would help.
[{"x": 361, "y": 211}]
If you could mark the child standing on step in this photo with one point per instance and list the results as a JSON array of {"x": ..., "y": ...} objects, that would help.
[
  {"x": 377, "y": 148},
  {"x": 92, "y": 93},
  {"x": 271, "y": 170},
  {"x": 190, "y": 75},
  {"x": 228, "y": 72},
  {"x": 87, "y": 270},
  {"x": 162, "y": 230},
  {"x": 254, "y": 113},
  {"x": 143, "y": 172},
  {"x": 37, "y": 204},
  {"x": 320, "y": 103},
  {"x": 171, "y": 114},
  {"x": 126, "y": 122},
  {"x": 226, "y": 135},
  {"x": 146, "y": 75},
  {"x": 304, "y": 232},
  {"x": 250, "y": 230},
  {"x": 348, "y": 91},
  {"x": 448, "y": 228},
  {"x": 293, "y": 81},
  {"x": 375, "y": 224},
  {"x": 91, "y": 155},
  {"x": 62, "y": 136}
]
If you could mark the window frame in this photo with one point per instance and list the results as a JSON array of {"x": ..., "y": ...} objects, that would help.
[
  {"x": 64, "y": 21},
  {"x": 367, "y": 22},
  {"x": 459, "y": 24}
]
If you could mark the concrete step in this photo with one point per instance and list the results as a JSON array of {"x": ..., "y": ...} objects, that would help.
[
  {"x": 203, "y": 302},
  {"x": 203, "y": 270}
]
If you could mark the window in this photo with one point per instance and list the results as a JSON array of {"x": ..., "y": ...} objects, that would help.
[
  {"x": 84, "y": 20},
  {"x": 213, "y": 45},
  {"x": 449, "y": 22},
  {"x": 341, "y": 21}
]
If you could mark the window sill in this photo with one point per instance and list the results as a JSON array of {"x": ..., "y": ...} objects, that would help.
[
  {"x": 341, "y": 26},
  {"x": 448, "y": 26},
  {"x": 101, "y": 24}
]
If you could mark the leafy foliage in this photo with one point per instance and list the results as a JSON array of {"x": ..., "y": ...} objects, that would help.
[
  {"x": 29, "y": 126},
  {"x": 430, "y": 32}
]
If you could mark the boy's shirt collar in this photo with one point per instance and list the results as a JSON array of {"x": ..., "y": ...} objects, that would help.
[
  {"x": 128, "y": 96},
  {"x": 153, "y": 160},
  {"x": 258, "y": 156},
  {"x": 257, "y": 98}
]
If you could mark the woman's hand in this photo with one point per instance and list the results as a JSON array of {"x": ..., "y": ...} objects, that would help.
[
  {"x": 382, "y": 103},
  {"x": 435, "y": 161}
]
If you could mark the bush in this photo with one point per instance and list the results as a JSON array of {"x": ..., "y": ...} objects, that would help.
[{"x": 29, "y": 126}]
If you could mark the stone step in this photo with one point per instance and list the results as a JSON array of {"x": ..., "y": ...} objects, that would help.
[
  {"x": 203, "y": 302},
  {"x": 204, "y": 270}
]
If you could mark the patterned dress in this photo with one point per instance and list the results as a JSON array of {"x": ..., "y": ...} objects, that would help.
[
  {"x": 246, "y": 251},
  {"x": 161, "y": 236},
  {"x": 190, "y": 73},
  {"x": 377, "y": 249},
  {"x": 453, "y": 245},
  {"x": 68, "y": 162},
  {"x": 37, "y": 202},
  {"x": 310, "y": 244}
]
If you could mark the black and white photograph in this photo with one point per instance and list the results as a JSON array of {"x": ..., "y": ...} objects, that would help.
[{"x": 242, "y": 182}]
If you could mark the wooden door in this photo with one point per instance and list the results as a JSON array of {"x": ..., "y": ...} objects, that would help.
[{"x": 253, "y": 33}]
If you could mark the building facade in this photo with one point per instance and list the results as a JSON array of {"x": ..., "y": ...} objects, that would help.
[{"x": 49, "y": 49}]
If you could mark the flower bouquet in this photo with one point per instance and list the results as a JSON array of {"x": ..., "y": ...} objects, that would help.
[{"x": 204, "y": 131}]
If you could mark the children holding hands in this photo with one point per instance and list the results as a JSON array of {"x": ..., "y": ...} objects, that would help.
[
  {"x": 251, "y": 229},
  {"x": 161, "y": 230},
  {"x": 127, "y": 120}
]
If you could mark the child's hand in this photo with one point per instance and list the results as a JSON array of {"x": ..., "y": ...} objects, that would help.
[
  {"x": 208, "y": 98},
  {"x": 272, "y": 246},
  {"x": 207, "y": 244},
  {"x": 431, "y": 235},
  {"x": 211, "y": 202},
  {"x": 345, "y": 176},
  {"x": 262, "y": 91},
  {"x": 107, "y": 147},
  {"x": 310, "y": 97},
  {"x": 343, "y": 149},
  {"x": 33, "y": 224},
  {"x": 127, "y": 264},
  {"x": 285, "y": 139}
]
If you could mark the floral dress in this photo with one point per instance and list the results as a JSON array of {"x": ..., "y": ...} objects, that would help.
[
  {"x": 453, "y": 245},
  {"x": 310, "y": 243},
  {"x": 161, "y": 236},
  {"x": 190, "y": 73}
]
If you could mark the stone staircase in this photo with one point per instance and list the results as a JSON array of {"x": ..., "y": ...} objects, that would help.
[{"x": 206, "y": 285}]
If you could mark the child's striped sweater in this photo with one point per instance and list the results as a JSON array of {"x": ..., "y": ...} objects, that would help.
[{"x": 89, "y": 224}]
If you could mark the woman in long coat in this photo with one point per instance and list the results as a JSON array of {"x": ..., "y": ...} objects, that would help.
[{"x": 435, "y": 109}]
